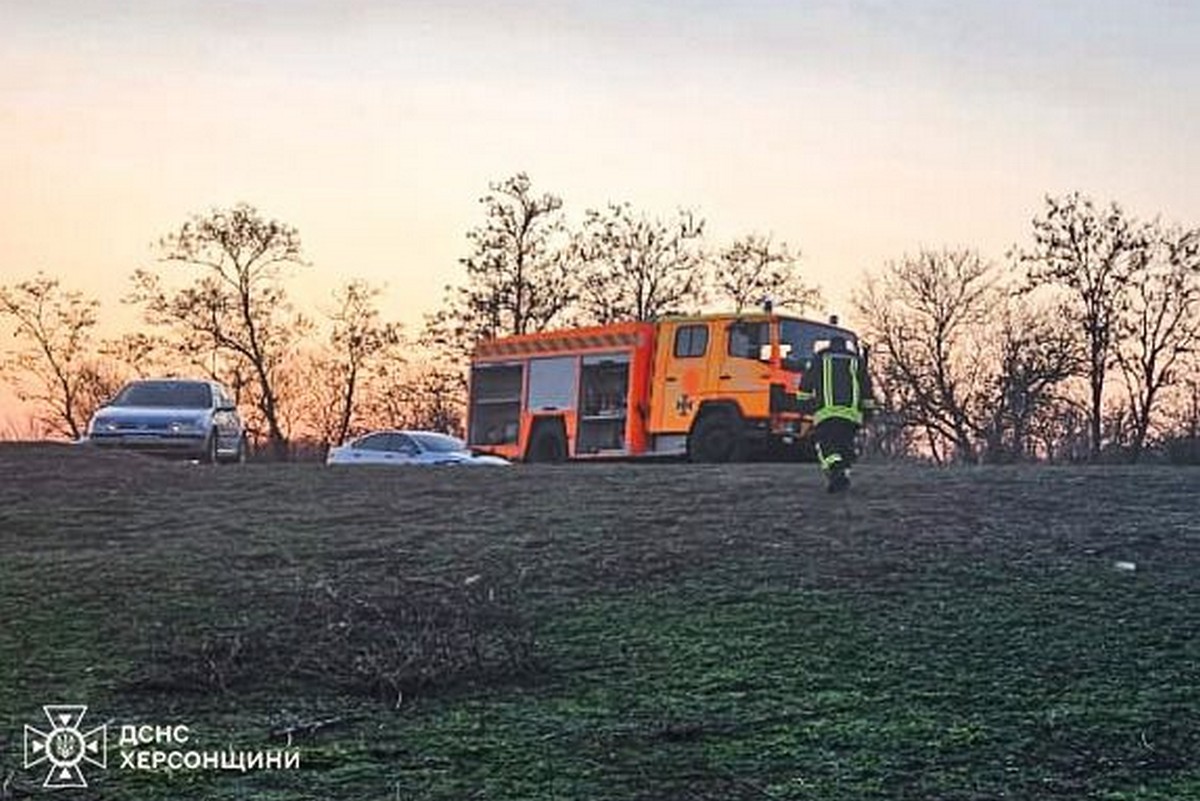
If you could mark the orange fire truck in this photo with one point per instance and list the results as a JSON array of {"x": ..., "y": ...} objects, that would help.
[{"x": 715, "y": 388}]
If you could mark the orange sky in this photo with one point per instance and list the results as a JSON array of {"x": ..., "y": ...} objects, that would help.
[{"x": 857, "y": 132}]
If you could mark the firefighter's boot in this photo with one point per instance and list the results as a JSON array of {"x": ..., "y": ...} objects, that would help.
[
  {"x": 839, "y": 479},
  {"x": 834, "y": 468}
]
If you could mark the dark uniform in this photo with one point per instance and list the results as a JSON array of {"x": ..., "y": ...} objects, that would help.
[{"x": 836, "y": 390}]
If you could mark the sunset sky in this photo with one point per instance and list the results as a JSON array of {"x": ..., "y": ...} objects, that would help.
[{"x": 856, "y": 132}]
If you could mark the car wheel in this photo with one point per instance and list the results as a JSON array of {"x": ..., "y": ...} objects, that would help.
[
  {"x": 239, "y": 456},
  {"x": 210, "y": 449},
  {"x": 717, "y": 437}
]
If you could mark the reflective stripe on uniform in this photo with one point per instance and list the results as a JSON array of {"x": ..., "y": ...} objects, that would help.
[
  {"x": 827, "y": 380},
  {"x": 842, "y": 412},
  {"x": 830, "y": 407},
  {"x": 829, "y": 461},
  {"x": 856, "y": 401}
]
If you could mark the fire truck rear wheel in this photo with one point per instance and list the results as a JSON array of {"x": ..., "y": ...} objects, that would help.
[
  {"x": 717, "y": 437},
  {"x": 548, "y": 445}
]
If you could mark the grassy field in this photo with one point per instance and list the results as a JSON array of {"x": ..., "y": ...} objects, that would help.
[{"x": 609, "y": 631}]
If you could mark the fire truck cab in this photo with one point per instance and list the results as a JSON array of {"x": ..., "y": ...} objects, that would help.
[{"x": 714, "y": 388}]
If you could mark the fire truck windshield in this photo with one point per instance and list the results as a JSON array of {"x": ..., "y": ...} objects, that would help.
[{"x": 799, "y": 339}]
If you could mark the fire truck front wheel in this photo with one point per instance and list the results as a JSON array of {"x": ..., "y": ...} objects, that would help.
[{"x": 717, "y": 437}]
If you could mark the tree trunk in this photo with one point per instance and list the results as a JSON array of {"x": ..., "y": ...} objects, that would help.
[
  {"x": 1096, "y": 421},
  {"x": 347, "y": 406},
  {"x": 1141, "y": 427},
  {"x": 275, "y": 438}
]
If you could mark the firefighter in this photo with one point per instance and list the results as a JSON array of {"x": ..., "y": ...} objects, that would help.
[{"x": 836, "y": 390}]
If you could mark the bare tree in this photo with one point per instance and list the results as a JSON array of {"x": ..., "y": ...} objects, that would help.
[
  {"x": 1187, "y": 416},
  {"x": 426, "y": 394},
  {"x": 1160, "y": 325},
  {"x": 923, "y": 316},
  {"x": 1182, "y": 437},
  {"x": 891, "y": 434},
  {"x": 237, "y": 307},
  {"x": 1034, "y": 355},
  {"x": 1059, "y": 430},
  {"x": 1092, "y": 255},
  {"x": 431, "y": 391},
  {"x": 139, "y": 354},
  {"x": 633, "y": 267},
  {"x": 358, "y": 338},
  {"x": 754, "y": 268},
  {"x": 435, "y": 400},
  {"x": 320, "y": 397},
  {"x": 26, "y": 428},
  {"x": 517, "y": 281},
  {"x": 54, "y": 366}
]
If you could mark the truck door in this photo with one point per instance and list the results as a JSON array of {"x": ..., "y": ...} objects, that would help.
[
  {"x": 680, "y": 375},
  {"x": 744, "y": 368}
]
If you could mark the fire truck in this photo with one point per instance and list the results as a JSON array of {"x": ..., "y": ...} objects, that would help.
[{"x": 713, "y": 388}]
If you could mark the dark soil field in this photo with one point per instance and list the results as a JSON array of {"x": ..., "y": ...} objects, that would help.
[{"x": 620, "y": 631}]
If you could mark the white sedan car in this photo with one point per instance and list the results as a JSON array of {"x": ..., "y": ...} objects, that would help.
[{"x": 408, "y": 448}]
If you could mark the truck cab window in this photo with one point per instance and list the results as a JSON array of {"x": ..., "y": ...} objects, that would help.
[
  {"x": 746, "y": 340},
  {"x": 800, "y": 339},
  {"x": 691, "y": 341}
]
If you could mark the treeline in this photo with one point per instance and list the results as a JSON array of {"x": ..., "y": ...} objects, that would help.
[
  {"x": 219, "y": 306},
  {"x": 1082, "y": 345}
]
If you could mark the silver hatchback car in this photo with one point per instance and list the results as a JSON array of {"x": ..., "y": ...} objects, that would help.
[{"x": 182, "y": 417}]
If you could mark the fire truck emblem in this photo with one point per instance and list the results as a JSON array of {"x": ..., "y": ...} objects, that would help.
[
  {"x": 684, "y": 404},
  {"x": 65, "y": 747}
]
